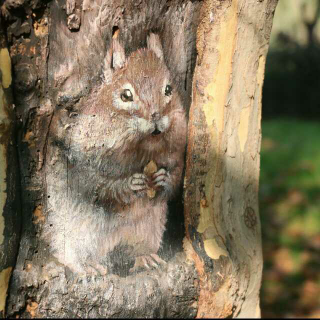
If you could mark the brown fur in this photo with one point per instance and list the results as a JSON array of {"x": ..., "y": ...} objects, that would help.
[{"x": 100, "y": 152}]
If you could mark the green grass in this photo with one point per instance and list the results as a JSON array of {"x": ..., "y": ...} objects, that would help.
[
  {"x": 295, "y": 155},
  {"x": 290, "y": 216}
]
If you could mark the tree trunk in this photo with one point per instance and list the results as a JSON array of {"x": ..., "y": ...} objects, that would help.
[
  {"x": 223, "y": 157},
  {"x": 9, "y": 175},
  {"x": 64, "y": 54}
]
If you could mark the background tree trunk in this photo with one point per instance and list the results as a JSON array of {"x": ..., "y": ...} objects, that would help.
[{"x": 58, "y": 50}]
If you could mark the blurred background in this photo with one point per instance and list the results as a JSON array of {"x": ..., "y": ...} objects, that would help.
[{"x": 290, "y": 164}]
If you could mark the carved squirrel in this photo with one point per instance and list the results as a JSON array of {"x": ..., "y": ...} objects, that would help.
[{"x": 96, "y": 179}]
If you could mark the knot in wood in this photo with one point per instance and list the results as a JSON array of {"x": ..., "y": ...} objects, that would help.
[{"x": 250, "y": 218}]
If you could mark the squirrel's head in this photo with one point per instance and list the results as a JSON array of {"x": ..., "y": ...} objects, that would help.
[
  {"x": 137, "y": 109},
  {"x": 143, "y": 90}
]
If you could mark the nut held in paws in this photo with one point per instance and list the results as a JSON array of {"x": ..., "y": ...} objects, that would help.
[{"x": 149, "y": 170}]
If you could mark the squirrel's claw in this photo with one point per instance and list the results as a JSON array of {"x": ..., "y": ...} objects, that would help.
[
  {"x": 159, "y": 173},
  {"x": 137, "y": 182},
  {"x": 158, "y": 259},
  {"x": 147, "y": 262},
  {"x": 95, "y": 269},
  {"x": 161, "y": 178}
]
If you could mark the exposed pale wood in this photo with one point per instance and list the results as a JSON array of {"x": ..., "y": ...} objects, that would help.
[{"x": 222, "y": 174}]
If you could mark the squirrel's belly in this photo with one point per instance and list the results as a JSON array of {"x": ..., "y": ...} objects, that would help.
[
  {"x": 144, "y": 227},
  {"x": 140, "y": 226}
]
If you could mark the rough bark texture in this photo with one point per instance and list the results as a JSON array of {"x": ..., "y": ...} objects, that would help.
[
  {"x": 9, "y": 174},
  {"x": 222, "y": 174},
  {"x": 58, "y": 50}
]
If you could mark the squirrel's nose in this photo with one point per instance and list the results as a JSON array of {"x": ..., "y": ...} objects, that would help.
[
  {"x": 156, "y": 132},
  {"x": 155, "y": 116}
]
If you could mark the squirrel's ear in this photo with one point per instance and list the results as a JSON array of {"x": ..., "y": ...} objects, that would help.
[
  {"x": 107, "y": 70},
  {"x": 154, "y": 44},
  {"x": 118, "y": 55},
  {"x": 115, "y": 59}
]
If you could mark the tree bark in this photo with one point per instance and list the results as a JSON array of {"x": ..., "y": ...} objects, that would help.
[
  {"x": 222, "y": 174},
  {"x": 9, "y": 175},
  {"x": 213, "y": 269}
]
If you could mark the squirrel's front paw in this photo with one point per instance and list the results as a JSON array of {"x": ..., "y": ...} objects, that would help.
[
  {"x": 138, "y": 182},
  {"x": 161, "y": 179}
]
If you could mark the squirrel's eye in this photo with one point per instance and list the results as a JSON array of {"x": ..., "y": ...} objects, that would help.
[
  {"x": 168, "y": 90},
  {"x": 126, "y": 95}
]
